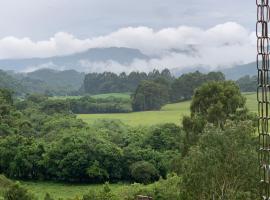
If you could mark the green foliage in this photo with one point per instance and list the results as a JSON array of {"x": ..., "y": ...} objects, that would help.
[
  {"x": 48, "y": 197},
  {"x": 144, "y": 172},
  {"x": 55, "y": 106},
  {"x": 17, "y": 192},
  {"x": 83, "y": 157},
  {"x": 149, "y": 95},
  {"x": 165, "y": 137},
  {"x": 108, "y": 82},
  {"x": 217, "y": 101},
  {"x": 10, "y": 119},
  {"x": 218, "y": 166},
  {"x": 10, "y": 83},
  {"x": 104, "y": 194},
  {"x": 183, "y": 87},
  {"x": 20, "y": 157},
  {"x": 88, "y": 105},
  {"x": 247, "y": 83}
]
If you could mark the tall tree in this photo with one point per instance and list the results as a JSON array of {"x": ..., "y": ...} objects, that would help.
[{"x": 149, "y": 96}]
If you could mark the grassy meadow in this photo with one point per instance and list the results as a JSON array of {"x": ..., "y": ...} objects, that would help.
[
  {"x": 58, "y": 190},
  {"x": 170, "y": 113}
]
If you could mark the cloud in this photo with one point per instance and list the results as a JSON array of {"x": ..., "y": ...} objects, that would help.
[{"x": 178, "y": 47}]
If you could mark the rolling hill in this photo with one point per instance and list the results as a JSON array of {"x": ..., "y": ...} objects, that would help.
[
  {"x": 239, "y": 71},
  {"x": 76, "y": 61}
]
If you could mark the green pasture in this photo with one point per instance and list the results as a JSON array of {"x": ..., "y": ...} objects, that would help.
[
  {"x": 116, "y": 95},
  {"x": 58, "y": 190},
  {"x": 251, "y": 101},
  {"x": 170, "y": 113}
]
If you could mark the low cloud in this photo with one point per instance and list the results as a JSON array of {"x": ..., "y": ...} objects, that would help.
[{"x": 221, "y": 46}]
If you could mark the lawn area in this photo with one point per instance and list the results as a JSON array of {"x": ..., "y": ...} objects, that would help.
[
  {"x": 252, "y": 101},
  {"x": 171, "y": 113},
  {"x": 58, "y": 190},
  {"x": 116, "y": 95}
]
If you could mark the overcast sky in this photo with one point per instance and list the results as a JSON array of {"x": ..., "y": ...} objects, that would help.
[
  {"x": 41, "y": 19},
  {"x": 42, "y": 28}
]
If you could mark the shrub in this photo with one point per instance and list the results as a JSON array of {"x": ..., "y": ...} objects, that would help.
[
  {"x": 16, "y": 192},
  {"x": 144, "y": 172}
]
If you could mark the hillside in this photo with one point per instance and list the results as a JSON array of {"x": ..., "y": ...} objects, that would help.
[
  {"x": 239, "y": 71},
  {"x": 78, "y": 61},
  {"x": 53, "y": 78}
]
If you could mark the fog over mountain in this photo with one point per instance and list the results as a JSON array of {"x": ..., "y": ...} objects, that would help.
[{"x": 138, "y": 48}]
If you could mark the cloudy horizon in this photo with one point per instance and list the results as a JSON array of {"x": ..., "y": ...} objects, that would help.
[{"x": 218, "y": 35}]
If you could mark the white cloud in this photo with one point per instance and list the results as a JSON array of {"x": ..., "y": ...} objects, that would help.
[{"x": 221, "y": 46}]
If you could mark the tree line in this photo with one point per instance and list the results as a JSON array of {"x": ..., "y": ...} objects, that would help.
[{"x": 153, "y": 94}]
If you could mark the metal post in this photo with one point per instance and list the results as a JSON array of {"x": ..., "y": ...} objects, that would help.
[{"x": 263, "y": 93}]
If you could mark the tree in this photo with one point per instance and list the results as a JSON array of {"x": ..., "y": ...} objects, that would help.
[
  {"x": 213, "y": 102},
  {"x": 144, "y": 172},
  {"x": 149, "y": 96},
  {"x": 55, "y": 106},
  {"x": 217, "y": 101},
  {"x": 165, "y": 137},
  {"x": 223, "y": 165},
  {"x": 248, "y": 83},
  {"x": 183, "y": 87}
]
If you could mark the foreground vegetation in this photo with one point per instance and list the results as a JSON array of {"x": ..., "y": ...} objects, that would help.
[{"x": 40, "y": 139}]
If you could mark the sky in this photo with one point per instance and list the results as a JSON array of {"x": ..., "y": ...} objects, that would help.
[{"x": 42, "y": 28}]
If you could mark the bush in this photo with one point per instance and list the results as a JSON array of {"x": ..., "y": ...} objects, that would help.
[
  {"x": 144, "y": 172},
  {"x": 16, "y": 192}
]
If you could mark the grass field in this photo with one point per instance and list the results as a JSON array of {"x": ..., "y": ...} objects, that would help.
[
  {"x": 57, "y": 190},
  {"x": 251, "y": 101},
  {"x": 171, "y": 113},
  {"x": 117, "y": 95}
]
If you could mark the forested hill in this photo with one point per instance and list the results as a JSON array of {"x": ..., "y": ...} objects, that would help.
[
  {"x": 239, "y": 71},
  {"x": 77, "y": 61},
  {"x": 42, "y": 81},
  {"x": 53, "y": 78}
]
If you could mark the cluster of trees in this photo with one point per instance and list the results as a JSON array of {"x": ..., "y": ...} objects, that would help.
[
  {"x": 150, "y": 95},
  {"x": 153, "y": 94},
  {"x": 183, "y": 87},
  {"x": 108, "y": 82},
  {"x": 89, "y": 105},
  {"x": 44, "y": 81},
  {"x": 43, "y": 140},
  {"x": 220, "y": 133},
  {"x": 248, "y": 83},
  {"x": 83, "y": 105}
]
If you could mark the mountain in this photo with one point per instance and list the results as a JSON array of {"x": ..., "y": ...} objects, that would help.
[
  {"x": 239, "y": 71},
  {"x": 53, "y": 78},
  {"x": 75, "y": 61},
  {"x": 43, "y": 81},
  {"x": 9, "y": 82}
]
